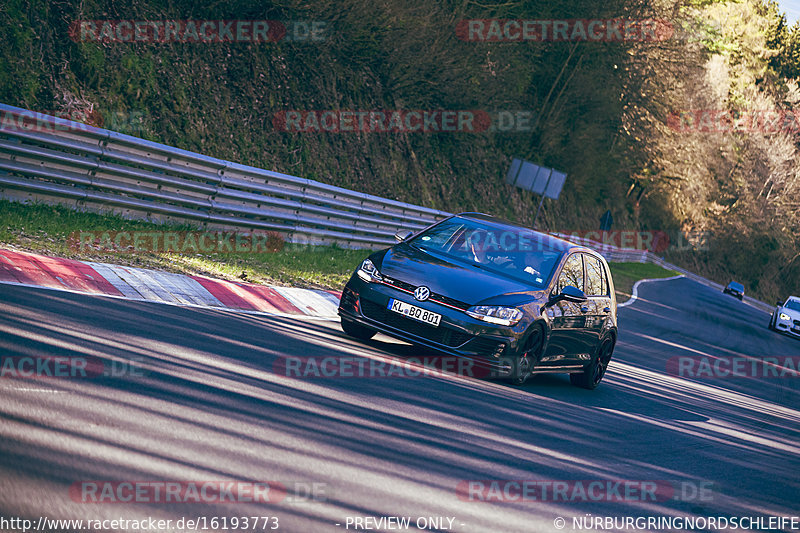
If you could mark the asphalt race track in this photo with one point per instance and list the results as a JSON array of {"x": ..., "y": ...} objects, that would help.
[{"x": 204, "y": 403}]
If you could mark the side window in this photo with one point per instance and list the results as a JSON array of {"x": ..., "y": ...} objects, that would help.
[
  {"x": 572, "y": 273},
  {"x": 595, "y": 280}
]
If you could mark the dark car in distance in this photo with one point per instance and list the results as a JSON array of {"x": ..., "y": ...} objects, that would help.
[
  {"x": 512, "y": 299},
  {"x": 735, "y": 289}
]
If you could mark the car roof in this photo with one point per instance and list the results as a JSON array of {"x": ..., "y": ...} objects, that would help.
[
  {"x": 558, "y": 244},
  {"x": 735, "y": 284}
]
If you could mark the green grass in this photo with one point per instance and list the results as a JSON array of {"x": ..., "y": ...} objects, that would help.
[
  {"x": 45, "y": 229},
  {"x": 626, "y": 274}
]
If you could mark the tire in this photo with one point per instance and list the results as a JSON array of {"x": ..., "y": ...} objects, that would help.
[
  {"x": 772, "y": 322},
  {"x": 357, "y": 330},
  {"x": 593, "y": 373},
  {"x": 522, "y": 366}
]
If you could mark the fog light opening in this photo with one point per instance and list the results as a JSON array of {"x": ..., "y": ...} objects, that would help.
[{"x": 498, "y": 352}]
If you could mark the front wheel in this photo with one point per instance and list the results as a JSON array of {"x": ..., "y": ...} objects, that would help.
[
  {"x": 593, "y": 373},
  {"x": 522, "y": 366},
  {"x": 357, "y": 330}
]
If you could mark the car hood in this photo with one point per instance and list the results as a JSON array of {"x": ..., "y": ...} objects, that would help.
[{"x": 466, "y": 283}]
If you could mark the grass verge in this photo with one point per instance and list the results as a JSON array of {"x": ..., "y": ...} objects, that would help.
[
  {"x": 626, "y": 274},
  {"x": 46, "y": 229}
]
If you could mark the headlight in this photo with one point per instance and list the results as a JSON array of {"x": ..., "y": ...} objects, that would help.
[
  {"x": 368, "y": 272},
  {"x": 503, "y": 316},
  {"x": 784, "y": 316}
]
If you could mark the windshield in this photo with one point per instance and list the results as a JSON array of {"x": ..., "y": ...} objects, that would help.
[
  {"x": 794, "y": 305},
  {"x": 518, "y": 253}
]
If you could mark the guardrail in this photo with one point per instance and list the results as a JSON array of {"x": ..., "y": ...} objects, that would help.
[{"x": 54, "y": 160}]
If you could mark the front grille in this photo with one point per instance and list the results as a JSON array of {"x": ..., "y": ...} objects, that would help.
[
  {"x": 450, "y": 301},
  {"x": 797, "y": 322},
  {"x": 400, "y": 284},
  {"x": 434, "y": 296},
  {"x": 440, "y": 334}
]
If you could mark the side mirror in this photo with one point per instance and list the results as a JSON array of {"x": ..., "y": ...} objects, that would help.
[
  {"x": 570, "y": 294},
  {"x": 402, "y": 235},
  {"x": 573, "y": 294},
  {"x": 779, "y": 303}
]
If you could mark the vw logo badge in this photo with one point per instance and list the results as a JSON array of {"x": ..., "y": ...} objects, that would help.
[{"x": 422, "y": 293}]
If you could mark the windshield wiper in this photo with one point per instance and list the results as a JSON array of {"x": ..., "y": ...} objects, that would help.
[{"x": 482, "y": 267}]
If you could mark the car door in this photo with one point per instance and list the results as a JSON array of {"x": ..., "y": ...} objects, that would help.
[
  {"x": 598, "y": 301},
  {"x": 567, "y": 343}
]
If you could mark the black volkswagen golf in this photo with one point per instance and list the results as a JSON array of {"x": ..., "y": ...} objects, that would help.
[{"x": 510, "y": 298}]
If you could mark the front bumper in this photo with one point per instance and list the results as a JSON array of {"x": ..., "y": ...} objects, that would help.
[
  {"x": 787, "y": 326},
  {"x": 457, "y": 334}
]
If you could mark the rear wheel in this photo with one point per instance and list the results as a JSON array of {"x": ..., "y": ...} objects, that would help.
[
  {"x": 357, "y": 330},
  {"x": 523, "y": 365},
  {"x": 593, "y": 373}
]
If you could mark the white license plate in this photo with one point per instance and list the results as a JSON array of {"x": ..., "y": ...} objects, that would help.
[{"x": 412, "y": 311}]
